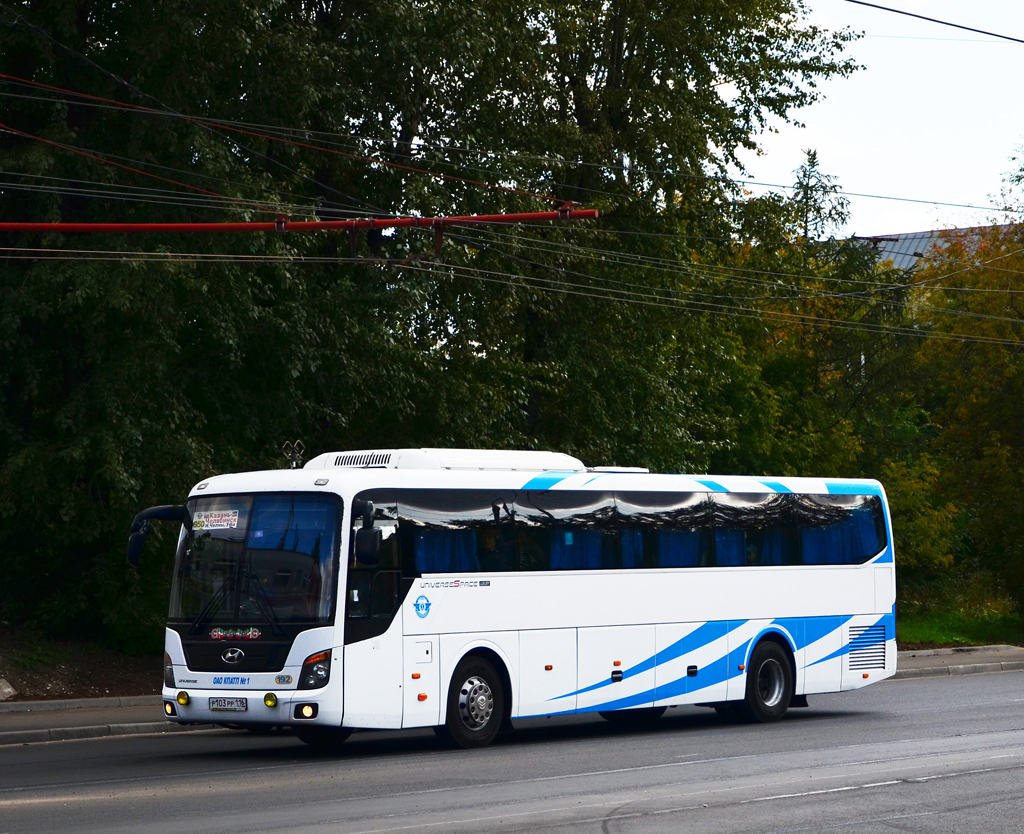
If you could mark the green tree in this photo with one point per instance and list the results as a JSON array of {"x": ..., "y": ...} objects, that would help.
[
  {"x": 125, "y": 377},
  {"x": 973, "y": 377}
]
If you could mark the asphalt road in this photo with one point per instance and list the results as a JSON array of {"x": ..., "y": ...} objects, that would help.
[{"x": 915, "y": 755}]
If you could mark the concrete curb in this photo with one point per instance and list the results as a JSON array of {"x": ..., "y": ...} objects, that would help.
[
  {"x": 98, "y": 731},
  {"x": 81, "y": 703},
  {"x": 963, "y": 669}
]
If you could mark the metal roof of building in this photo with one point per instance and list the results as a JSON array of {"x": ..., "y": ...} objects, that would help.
[{"x": 907, "y": 249}]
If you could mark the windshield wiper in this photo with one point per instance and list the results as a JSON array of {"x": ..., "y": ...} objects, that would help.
[
  {"x": 263, "y": 602},
  {"x": 213, "y": 605}
]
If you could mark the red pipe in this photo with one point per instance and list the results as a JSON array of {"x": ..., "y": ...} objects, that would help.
[{"x": 284, "y": 225}]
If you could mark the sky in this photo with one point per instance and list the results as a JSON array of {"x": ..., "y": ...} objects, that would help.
[{"x": 934, "y": 117}]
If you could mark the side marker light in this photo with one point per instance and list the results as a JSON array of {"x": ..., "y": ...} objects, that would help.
[
  {"x": 866, "y": 675},
  {"x": 743, "y": 666},
  {"x": 548, "y": 668},
  {"x": 422, "y": 696},
  {"x": 616, "y": 663},
  {"x": 415, "y": 676}
]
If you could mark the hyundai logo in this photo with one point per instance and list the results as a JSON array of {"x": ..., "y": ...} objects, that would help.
[{"x": 232, "y": 655}]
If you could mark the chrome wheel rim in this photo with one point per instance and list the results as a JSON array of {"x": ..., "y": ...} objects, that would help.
[
  {"x": 771, "y": 683},
  {"x": 476, "y": 703}
]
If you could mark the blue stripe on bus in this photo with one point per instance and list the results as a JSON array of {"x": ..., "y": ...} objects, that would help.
[
  {"x": 714, "y": 673},
  {"x": 775, "y": 486},
  {"x": 888, "y": 620},
  {"x": 885, "y": 557},
  {"x": 712, "y": 485},
  {"x": 804, "y": 631},
  {"x": 696, "y": 639},
  {"x": 809, "y": 630},
  {"x": 547, "y": 480},
  {"x": 726, "y": 668},
  {"x": 835, "y": 488}
]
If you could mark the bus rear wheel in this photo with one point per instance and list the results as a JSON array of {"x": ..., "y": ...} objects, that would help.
[
  {"x": 769, "y": 683},
  {"x": 476, "y": 704}
]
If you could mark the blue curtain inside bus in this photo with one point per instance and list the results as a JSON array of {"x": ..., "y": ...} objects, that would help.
[
  {"x": 849, "y": 542},
  {"x": 774, "y": 549},
  {"x": 679, "y": 548},
  {"x": 445, "y": 551},
  {"x": 730, "y": 547},
  {"x": 575, "y": 550}
]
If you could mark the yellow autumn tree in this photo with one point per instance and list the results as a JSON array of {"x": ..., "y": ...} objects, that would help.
[{"x": 970, "y": 298}]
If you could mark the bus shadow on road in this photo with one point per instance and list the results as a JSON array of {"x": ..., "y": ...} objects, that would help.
[{"x": 281, "y": 745}]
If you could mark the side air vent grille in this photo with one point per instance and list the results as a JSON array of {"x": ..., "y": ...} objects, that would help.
[
  {"x": 867, "y": 647},
  {"x": 365, "y": 459}
]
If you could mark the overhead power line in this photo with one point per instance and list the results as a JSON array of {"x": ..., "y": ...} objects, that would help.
[
  {"x": 934, "y": 20},
  {"x": 329, "y": 143}
]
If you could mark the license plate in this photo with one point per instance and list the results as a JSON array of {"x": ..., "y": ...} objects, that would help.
[{"x": 229, "y": 704}]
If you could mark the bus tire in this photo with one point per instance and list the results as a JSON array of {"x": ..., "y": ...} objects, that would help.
[
  {"x": 769, "y": 683},
  {"x": 323, "y": 739},
  {"x": 633, "y": 717},
  {"x": 476, "y": 704}
]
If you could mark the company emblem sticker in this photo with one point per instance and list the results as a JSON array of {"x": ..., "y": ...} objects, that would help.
[{"x": 422, "y": 606}]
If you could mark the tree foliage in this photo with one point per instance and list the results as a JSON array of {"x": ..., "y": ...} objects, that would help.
[
  {"x": 973, "y": 370},
  {"x": 691, "y": 328}
]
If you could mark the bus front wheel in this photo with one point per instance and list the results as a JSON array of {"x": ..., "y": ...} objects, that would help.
[
  {"x": 476, "y": 704},
  {"x": 769, "y": 683}
]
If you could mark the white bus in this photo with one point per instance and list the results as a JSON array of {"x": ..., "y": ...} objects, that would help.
[{"x": 463, "y": 589}]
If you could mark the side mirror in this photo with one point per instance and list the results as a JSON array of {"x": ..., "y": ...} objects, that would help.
[
  {"x": 368, "y": 538},
  {"x": 368, "y": 542},
  {"x": 135, "y": 542},
  {"x": 142, "y": 528}
]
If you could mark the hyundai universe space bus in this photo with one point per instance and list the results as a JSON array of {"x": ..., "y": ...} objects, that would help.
[{"x": 463, "y": 589}]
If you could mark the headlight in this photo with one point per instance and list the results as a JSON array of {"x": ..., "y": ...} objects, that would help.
[
  {"x": 168, "y": 671},
  {"x": 316, "y": 670}
]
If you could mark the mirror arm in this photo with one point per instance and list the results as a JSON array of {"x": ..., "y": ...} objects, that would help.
[{"x": 141, "y": 526}]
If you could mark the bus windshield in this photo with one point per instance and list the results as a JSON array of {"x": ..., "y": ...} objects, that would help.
[{"x": 263, "y": 560}]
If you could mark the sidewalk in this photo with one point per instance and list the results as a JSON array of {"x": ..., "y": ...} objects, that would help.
[
  {"x": 24, "y": 722},
  {"x": 928, "y": 663}
]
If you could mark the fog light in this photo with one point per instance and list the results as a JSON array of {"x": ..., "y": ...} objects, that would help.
[
  {"x": 169, "y": 708},
  {"x": 305, "y": 711},
  {"x": 270, "y": 699},
  {"x": 183, "y": 698}
]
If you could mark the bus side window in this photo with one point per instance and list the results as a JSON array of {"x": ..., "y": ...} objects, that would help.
[
  {"x": 755, "y": 529},
  {"x": 563, "y": 530},
  {"x": 664, "y": 529},
  {"x": 456, "y": 531},
  {"x": 497, "y": 540},
  {"x": 841, "y": 529}
]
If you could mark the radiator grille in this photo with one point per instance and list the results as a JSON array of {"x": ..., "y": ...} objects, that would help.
[
  {"x": 365, "y": 459},
  {"x": 867, "y": 647}
]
